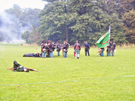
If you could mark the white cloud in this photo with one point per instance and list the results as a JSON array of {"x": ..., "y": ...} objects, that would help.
[{"x": 5, "y": 4}]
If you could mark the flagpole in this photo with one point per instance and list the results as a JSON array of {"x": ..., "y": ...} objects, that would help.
[{"x": 109, "y": 32}]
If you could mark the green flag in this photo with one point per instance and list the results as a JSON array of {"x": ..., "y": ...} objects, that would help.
[{"x": 104, "y": 40}]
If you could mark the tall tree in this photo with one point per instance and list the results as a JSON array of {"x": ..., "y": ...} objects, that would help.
[
  {"x": 129, "y": 25},
  {"x": 126, "y": 11},
  {"x": 93, "y": 20},
  {"x": 86, "y": 20},
  {"x": 124, "y": 6},
  {"x": 55, "y": 20}
]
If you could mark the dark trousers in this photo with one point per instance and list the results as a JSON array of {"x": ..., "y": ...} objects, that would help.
[
  {"x": 113, "y": 52},
  {"x": 108, "y": 51},
  {"x": 87, "y": 51}
]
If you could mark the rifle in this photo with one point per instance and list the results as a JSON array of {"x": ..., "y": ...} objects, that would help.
[
  {"x": 27, "y": 68},
  {"x": 9, "y": 68}
]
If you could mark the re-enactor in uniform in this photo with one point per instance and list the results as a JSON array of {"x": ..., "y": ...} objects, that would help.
[
  {"x": 113, "y": 48},
  {"x": 17, "y": 67},
  {"x": 87, "y": 47},
  {"x": 77, "y": 49},
  {"x": 58, "y": 46},
  {"x": 65, "y": 49}
]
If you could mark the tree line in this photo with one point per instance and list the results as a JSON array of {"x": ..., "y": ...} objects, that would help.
[
  {"x": 15, "y": 21},
  {"x": 82, "y": 20},
  {"x": 88, "y": 20}
]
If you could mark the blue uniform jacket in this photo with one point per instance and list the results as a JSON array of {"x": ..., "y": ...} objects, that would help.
[
  {"x": 58, "y": 47},
  {"x": 50, "y": 47},
  {"x": 86, "y": 46}
]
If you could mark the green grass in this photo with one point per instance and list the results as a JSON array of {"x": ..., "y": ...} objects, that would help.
[{"x": 91, "y": 78}]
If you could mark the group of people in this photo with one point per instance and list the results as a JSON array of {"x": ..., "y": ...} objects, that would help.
[
  {"x": 77, "y": 48},
  {"x": 110, "y": 49},
  {"x": 47, "y": 48}
]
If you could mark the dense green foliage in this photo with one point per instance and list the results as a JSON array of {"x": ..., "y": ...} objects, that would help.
[
  {"x": 82, "y": 20},
  {"x": 91, "y": 78},
  {"x": 129, "y": 25},
  {"x": 54, "y": 22},
  {"x": 126, "y": 12},
  {"x": 128, "y": 19}
]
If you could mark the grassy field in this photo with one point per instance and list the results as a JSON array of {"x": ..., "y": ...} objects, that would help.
[{"x": 91, "y": 78}]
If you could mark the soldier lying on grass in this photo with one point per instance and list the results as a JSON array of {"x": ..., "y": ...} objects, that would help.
[{"x": 17, "y": 67}]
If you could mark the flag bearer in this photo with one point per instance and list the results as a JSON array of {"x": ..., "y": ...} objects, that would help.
[{"x": 108, "y": 50}]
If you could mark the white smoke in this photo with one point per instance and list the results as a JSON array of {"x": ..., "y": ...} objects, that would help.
[{"x": 11, "y": 29}]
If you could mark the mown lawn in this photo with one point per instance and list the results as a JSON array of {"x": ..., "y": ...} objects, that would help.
[{"x": 91, "y": 78}]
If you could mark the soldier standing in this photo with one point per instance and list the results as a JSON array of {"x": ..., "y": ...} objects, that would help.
[
  {"x": 58, "y": 48},
  {"x": 113, "y": 48},
  {"x": 108, "y": 49},
  {"x": 77, "y": 49},
  {"x": 87, "y": 47},
  {"x": 65, "y": 49}
]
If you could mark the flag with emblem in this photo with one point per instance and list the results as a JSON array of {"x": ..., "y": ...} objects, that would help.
[{"x": 104, "y": 40}]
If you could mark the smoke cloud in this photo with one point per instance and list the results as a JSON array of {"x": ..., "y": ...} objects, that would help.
[{"x": 11, "y": 29}]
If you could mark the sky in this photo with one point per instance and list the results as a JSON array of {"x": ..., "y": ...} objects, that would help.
[{"x": 6, "y": 4}]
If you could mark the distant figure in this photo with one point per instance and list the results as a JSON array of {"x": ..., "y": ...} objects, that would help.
[
  {"x": 53, "y": 46},
  {"x": 42, "y": 44},
  {"x": 29, "y": 55},
  {"x": 102, "y": 52},
  {"x": 47, "y": 49},
  {"x": 50, "y": 49},
  {"x": 87, "y": 47},
  {"x": 58, "y": 48},
  {"x": 110, "y": 43},
  {"x": 44, "y": 50},
  {"x": 65, "y": 49},
  {"x": 17, "y": 67},
  {"x": 77, "y": 49},
  {"x": 113, "y": 48},
  {"x": 32, "y": 55},
  {"x": 108, "y": 49}
]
